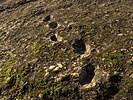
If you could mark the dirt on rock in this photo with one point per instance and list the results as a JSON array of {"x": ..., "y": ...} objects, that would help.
[{"x": 66, "y": 49}]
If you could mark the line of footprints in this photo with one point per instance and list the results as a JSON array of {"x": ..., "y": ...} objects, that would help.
[
  {"x": 52, "y": 25},
  {"x": 78, "y": 45}
]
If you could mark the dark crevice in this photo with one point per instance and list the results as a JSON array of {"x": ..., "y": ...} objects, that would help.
[
  {"x": 26, "y": 87},
  {"x": 46, "y": 97},
  {"x": 11, "y": 82},
  {"x": 66, "y": 78},
  {"x": 0, "y": 90}
]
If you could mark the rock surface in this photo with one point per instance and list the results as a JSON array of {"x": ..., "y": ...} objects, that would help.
[{"x": 66, "y": 49}]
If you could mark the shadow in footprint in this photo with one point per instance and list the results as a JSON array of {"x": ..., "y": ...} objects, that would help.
[
  {"x": 79, "y": 46},
  {"x": 53, "y": 25},
  {"x": 86, "y": 75},
  {"x": 115, "y": 78},
  {"x": 110, "y": 89}
]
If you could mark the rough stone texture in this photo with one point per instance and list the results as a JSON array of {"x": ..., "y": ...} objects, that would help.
[{"x": 91, "y": 59}]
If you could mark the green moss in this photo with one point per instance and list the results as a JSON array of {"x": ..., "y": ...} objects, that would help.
[
  {"x": 6, "y": 79},
  {"x": 26, "y": 67},
  {"x": 67, "y": 55},
  {"x": 115, "y": 58},
  {"x": 8, "y": 71},
  {"x": 44, "y": 91},
  {"x": 35, "y": 48},
  {"x": 52, "y": 89},
  {"x": 130, "y": 84},
  {"x": 116, "y": 55},
  {"x": 122, "y": 91},
  {"x": 41, "y": 74},
  {"x": 57, "y": 89},
  {"x": 9, "y": 63},
  {"x": 54, "y": 53},
  {"x": 21, "y": 75}
]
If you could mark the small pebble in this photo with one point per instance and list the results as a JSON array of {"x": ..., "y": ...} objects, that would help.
[
  {"x": 59, "y": 65},
  {"x": 51, "y": 67},
  {"x": 56, "y": 69},
  {"x": 40, "y": 95},
  {"x": 59, "y": 38}
]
